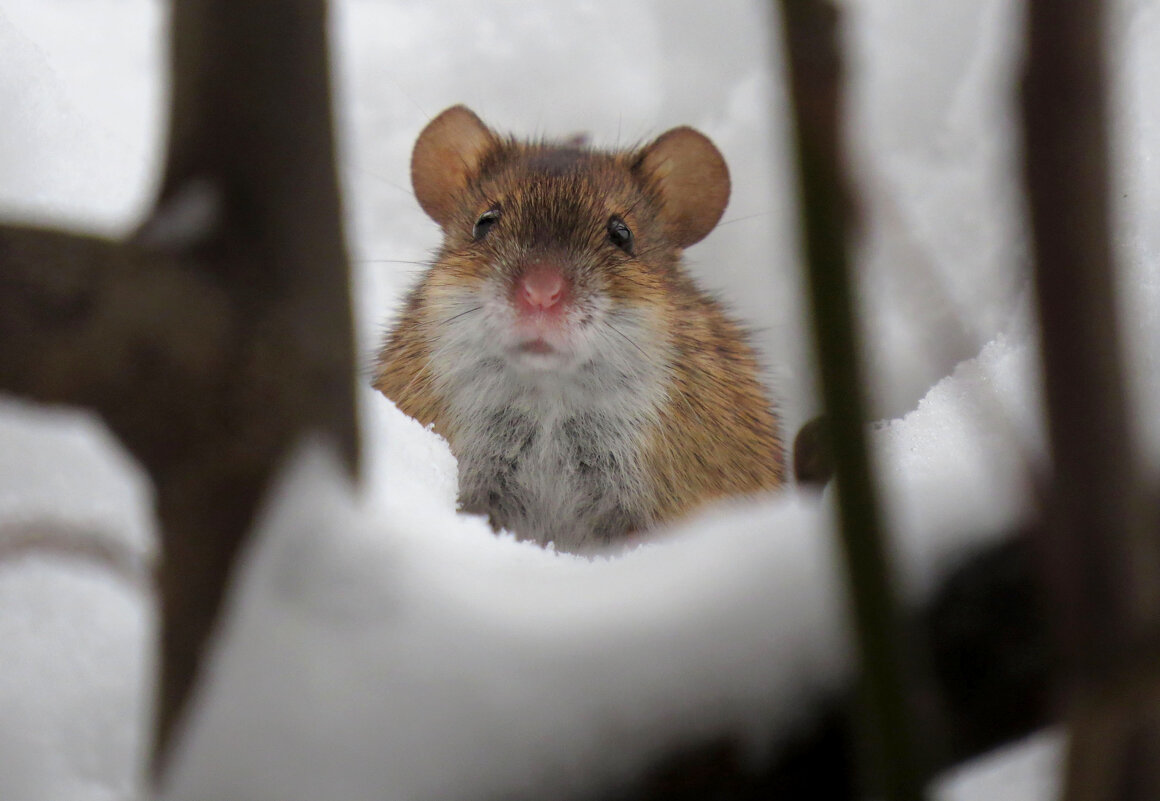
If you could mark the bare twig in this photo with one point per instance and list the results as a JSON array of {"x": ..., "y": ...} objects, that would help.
[
  {"x": 1100, "y": 555},
  {"x": 815, "y": 75}
]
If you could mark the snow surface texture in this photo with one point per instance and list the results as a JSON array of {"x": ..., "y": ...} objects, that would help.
[
  {"x": 381, "y": 646},
  {"x": 74, "y": 666}
]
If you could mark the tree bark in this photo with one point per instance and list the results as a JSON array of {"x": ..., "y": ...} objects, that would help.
[{"x": 1100, "y": 553}]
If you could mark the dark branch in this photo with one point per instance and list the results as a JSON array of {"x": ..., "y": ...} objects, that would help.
[
  {"x": 92, "y": 322},
  {"x": 815, "y": 70},
  {"x": 1093, "y": 499},
  {"x": 251, "y": 127},
  {"x": 1100, "y": 554}
]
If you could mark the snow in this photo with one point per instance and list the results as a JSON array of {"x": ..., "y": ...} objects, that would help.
[
  {"x": 83, "y": 110},
  {"x": 75, "y": 661},
  {"x": 475, "y": 668},
  {"x": 1028, "y": 771},
  {"x": 960, "y": 463},
  {"x": 75, "y": 673},
  {"x": 734, "y": 621},
  {"x": 64, "y": 469},
  {"x": 931, "y": 116},
  {"x": 378, "y": 645},
  {"x": 190, "y": 216}
]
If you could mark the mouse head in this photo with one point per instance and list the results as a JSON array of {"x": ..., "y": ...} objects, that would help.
[
  {"x": 553, "y": 242},
  {"x": 681, "y": 169}
]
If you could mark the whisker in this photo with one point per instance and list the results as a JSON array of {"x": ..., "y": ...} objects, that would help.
[
  {"x": 636, "y": 203},
  {"x": 626, "y": 338},
  {"x": 461, "y": 314},
  {"x": 394, "y": 261},
  {"x": 387, "y": 181},
  {"x": 743, "y": 219},
  {"x": 676, "y": 389}
]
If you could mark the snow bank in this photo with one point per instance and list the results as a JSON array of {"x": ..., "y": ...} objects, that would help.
[
  {"x": 63, "y": 469},
  {"x": 956, "y": 471},
  {"x": 427, "y": 659}
]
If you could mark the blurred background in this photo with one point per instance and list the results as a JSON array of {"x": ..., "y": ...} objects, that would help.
[{"x": 942, "y": 257}]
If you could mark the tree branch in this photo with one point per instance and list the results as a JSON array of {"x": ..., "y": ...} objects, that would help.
[
  {"x": 815, "y": 70},
  {"x": 1100, "y": 555}
]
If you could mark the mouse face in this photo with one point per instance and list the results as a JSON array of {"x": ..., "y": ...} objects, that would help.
[
  {"x": 542, "y": 259},
  {"x": 556, "y": 260}
]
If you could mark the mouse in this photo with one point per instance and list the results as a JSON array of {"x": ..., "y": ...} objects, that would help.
[{"x": 589, "y": 389}]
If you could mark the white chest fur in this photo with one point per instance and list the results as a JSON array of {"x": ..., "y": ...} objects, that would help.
[{"x": 556, "y": 455}]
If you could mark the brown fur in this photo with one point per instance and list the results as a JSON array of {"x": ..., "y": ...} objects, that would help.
[
  {"x": 719, "y": 436},
  {"x": 717, "y": 433}
]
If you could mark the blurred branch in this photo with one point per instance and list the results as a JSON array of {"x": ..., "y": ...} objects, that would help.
[
  {"x": 1100, "y": 555},
  {"x": 98, "y": 323},
  {"x": 251, "y": 126},
  {"x": 222, "y": 331},
  {"x": 815, "y": 69}
]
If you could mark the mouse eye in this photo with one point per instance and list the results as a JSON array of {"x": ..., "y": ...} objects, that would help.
[
  {"x": 484, "y": 223},
  {"x": 620, "y": 234}
]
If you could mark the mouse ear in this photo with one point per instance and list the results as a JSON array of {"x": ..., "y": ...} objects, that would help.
[
  {"x": 691, "y": 177},
  {"x": 446, "y": 156}
]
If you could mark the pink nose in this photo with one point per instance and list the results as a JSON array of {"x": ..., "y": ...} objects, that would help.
[{"x": 541, "y": 287}]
